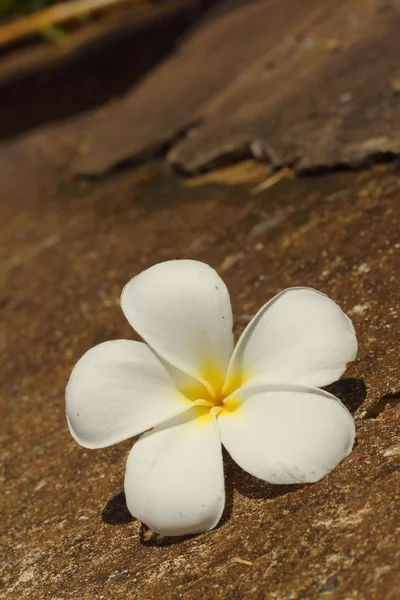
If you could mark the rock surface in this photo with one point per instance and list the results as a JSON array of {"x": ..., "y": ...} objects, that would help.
[
  {"x": 306, "y": 84},
  {"x": 67, "y": 248}
]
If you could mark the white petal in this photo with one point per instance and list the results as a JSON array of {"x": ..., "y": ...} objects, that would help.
[
  {"x": 182, "y": 309},
  {"x": 292, "y": 435},
  {"x": 117, "y": 390},
  {"x": 299, "y": 337},
  {"x": 174, "y": 480}
]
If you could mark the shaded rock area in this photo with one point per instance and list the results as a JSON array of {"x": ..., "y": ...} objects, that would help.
[
  {"x": 67, "y": 247},
  {"x": 307, "y": 84},
  {"x": 91, "y": 66}
]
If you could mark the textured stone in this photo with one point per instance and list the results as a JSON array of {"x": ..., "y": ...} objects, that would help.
[
  {"x": 67, "y": 248},
  {"x": 263, "y": 77}
]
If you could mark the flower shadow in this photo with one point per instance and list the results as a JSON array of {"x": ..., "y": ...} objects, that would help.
[
  {"x": 352, "y": 392},
  {"x": 116, "y": 512},
  {"x": 251, "y": 487}
]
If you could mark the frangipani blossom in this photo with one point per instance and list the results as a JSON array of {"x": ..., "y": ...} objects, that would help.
[{"x": 189, "y": 390}]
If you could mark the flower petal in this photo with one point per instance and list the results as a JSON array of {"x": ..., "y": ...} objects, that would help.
[
  {"x": 292, "y": 435},
  {"x": 299, "y": 337},
  {"x": 117, "y": 390},
  {"x": 174, "y": 480},
  {"x": 181, "y": 308}
]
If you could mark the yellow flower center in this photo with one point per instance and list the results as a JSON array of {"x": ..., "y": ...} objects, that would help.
[{"x": 218, "y": 394}]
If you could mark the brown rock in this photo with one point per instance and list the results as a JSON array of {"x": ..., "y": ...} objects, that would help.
[
  {"x": 67, "y": 248},
  {"x": 256, "y": 77}
]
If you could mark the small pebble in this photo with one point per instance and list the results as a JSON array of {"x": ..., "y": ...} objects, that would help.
[
  {"x": 395, "y": 85},
  {"x": 330, "y": 584},
  {"x": 345, "y": 98},
  {"x": 359, "y": 309},
  {"x": 385, "y": 6},
  {"x": 333, "y": 44},
  {"x": 266, "y": 225},
  {"x": 231, "y": 260},
  {"x": 392, "y": 450}
]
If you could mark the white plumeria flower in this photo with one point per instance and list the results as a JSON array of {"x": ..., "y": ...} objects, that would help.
[{"x": 189, "y": 390}]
